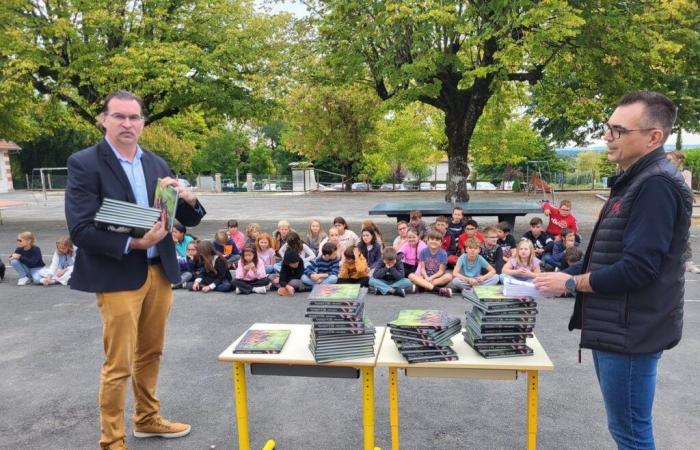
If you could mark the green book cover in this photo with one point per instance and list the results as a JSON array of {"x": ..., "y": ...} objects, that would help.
[
  {"x": 421, "y": 318},
  {"x": 491, "y": 292},
  {"x": 165, "y": 199},
  {"x": 335, "y": 292},
  {"x": 262, "y": 341}
]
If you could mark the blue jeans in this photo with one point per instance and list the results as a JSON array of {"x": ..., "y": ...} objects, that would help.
[
  {"x": 383, "y": 287},
  {"x": 330, "y": 279},
  {"x": 24, "y": 271},
  {"x": 628, "y": 383}
]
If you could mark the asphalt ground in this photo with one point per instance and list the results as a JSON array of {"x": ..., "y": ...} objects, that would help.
[{"x": 50, "y": 357}]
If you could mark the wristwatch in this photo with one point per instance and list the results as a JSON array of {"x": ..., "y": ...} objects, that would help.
[{"x": 570, "y": 285}]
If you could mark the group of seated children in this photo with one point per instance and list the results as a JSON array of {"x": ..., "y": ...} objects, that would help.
[
  {"x": 28, "y": 262},
  {"x": 450, "y": 254}
]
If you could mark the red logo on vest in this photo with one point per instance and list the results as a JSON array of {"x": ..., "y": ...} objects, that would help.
[{"x": 616, "y": 207}]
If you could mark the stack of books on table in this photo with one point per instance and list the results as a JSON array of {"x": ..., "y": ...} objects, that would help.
[
  {"x": 339, "y": 328},
  {"x": 125, "y": 217},
  {"x": 498, "y": 325},
  {"x": 423, "y": 335}
]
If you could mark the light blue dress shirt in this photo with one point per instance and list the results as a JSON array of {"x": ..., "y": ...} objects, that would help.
[{"x": 137, "y": 180}]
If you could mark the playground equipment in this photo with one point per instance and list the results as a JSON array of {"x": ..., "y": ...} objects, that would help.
[{"x": 536, "y": 182}]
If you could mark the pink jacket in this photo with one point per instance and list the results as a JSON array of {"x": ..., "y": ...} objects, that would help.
[{"x": 250, "y": 275}]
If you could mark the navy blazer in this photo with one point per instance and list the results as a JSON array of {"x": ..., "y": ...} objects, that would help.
[{"x": 101, "y": 265}]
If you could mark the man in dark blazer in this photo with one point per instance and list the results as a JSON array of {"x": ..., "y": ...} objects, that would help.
[{"x": 131, "y": 276}]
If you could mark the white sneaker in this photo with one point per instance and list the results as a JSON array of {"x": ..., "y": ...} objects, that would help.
[
  {"x": 238, "y": 291},
  {"x": 24, "y": 281},
  {"x": 260, "y": 290}
]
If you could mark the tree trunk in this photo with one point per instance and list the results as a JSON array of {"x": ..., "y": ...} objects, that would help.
[
  {"x": 679, "y": 139},
  {"x": 348, "y": 177},
  {"x": 458, "y": 138}
]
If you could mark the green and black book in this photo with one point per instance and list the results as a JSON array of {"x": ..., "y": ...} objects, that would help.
[
  {"x": 431, "y": 358},
  {"x": 422, "y": 318},
  {"x": 262, "y": 341},
  {"x": 527, "y": 351},
  {"x": 336, "y": 294},
  {"x": 165, "y": 199}
]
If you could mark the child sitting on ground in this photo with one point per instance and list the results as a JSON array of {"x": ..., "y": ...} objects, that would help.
[
  {"x": 235, "y": 234},
  {"x": 354, "y": 269},
  {"x": 314, "y": 236},
  {"x": 524, "y": 265},
  {"x": 431, "y": 273},
  {"x": 332, "y": 237},
  {"x": 572, "y": 256},
  {"x": 410, "y": 251},
  {"x": 346, "y": 236},
  {"x": 252, "y": 231},
  {"x": 181, "y": 239},
  {"x": 191, "y": 268},
  {"x": 559, "y": 218},
  {"x": 265, "y": 251},
  {"x": 454, "y": 229},
  {"x": 492, "y": 253},
  {"x": 370, "y": 248},
  {"x": 538, "y": 238},
  {"x": 402, "y": 229},
  {"x": 370, "y": 225},
  {"x": 325, "y": 268},
  {"x": 295, "y": 244},
  {"x": 289, "y": 279},
  {"x": 280, "y": 235},
  {"x": 505, "y": 240},
  {"x": 61, "y": 267},
  {"x": 214, "y": 275},
  {"x": 26, "y": 259},
  {"x": 471, "y": 230},
  {"x": 555, "y": 260},
  {"x": 225, "y": 246},
  {"x": 250, "y": 273},
  {"x": 418, "y": 223},
  {"x": 388, "y": 276},
  {"x": 469, "y": 268}
]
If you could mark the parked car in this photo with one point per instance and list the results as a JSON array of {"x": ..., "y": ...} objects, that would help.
[
  {"x": 270, "y": 187},
  {"x": 485, "y": 186},
  {"x": 425, "y": 187},
  {"x": 392, "y": 187},
  {"x": 359, "y": 186},
  {"x": 441, "y": 187}
]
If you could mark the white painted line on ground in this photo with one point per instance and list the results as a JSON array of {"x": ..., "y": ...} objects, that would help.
[{"x": 693, "y": 301}]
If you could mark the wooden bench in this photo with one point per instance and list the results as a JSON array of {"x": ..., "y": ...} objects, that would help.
[{"x": 504, "y": 210}]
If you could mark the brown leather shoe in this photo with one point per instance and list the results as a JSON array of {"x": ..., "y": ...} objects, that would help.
[
  {"x": 116, "y": 446},
  {"x": 159, "y": 427}
]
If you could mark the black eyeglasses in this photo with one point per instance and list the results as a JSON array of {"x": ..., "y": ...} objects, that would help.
[{"x": 617, "y": 131}]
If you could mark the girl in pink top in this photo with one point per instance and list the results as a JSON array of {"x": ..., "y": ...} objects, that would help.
[
  {"x": 266, "y": 253},
  {"x": 524, "y": 265},
  {"x": 410, "y": 250},
  {"x": 250, "y": 273}
]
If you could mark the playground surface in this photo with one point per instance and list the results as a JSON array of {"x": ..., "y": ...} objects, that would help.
[{"x": 50, "y": 356}]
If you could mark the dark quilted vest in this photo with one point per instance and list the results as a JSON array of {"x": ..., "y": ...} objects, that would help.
[{"x": 646, "y": 320}]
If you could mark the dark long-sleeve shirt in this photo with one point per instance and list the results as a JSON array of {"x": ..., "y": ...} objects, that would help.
[
  {"x": 220, "y": 273},
  {"x": 288, "y": 273},
  {"x": 388, "y": 274},
  {"x": 30, "y": 258}
]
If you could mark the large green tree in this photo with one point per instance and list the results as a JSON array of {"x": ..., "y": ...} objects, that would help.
[
  {"x": 449, "y": 54},
  {"x": 218, "y": 54},
  {"x": 623, "y": 46},
  {"x": 330, "y": 121}
]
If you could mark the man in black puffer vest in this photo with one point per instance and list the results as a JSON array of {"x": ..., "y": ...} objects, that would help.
[{"x": 630, "y": 286}]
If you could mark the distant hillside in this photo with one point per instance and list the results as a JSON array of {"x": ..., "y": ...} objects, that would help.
[{"x": 573, "y": 151}]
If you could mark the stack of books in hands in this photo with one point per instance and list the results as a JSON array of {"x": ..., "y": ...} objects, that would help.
[
  {"x": 499, "y": 324},
  {"x": 125, "y": 217},
  {"x": 339, "y": 328},
  {"x": 423, "y": 335}
]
